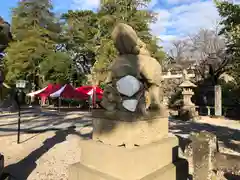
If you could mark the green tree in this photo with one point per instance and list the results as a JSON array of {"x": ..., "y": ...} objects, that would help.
[
  {"x": 31, "y": 14},
  {"x": 35, "y": 31},
  {"x": 132, "y": 12},
  {"x": 230, "y": 14},
  {"x": 56, "y": 68},
  {"x": 80, "y": 41},
  {"x": 87, "y": 35}
]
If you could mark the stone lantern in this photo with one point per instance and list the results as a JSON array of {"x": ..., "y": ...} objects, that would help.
[
  {"x": 188, "y": 108},
  {"x": 187, "y": 93}
]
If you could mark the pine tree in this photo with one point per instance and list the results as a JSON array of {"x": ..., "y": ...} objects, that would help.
[
  {"x": 81, "y": 38},
  {"x": 35, "y": 31},
  {"x": 80, "y": 41}
]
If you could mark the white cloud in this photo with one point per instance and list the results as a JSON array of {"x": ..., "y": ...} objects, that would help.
[
  {"x": 179, "y": 1},
  {"x": 232, "y": 1},
  {"x": 162, "y": 22},
  {"x": 153, "y": 3},
  {"x": 190, "y": 18},
  {"x": 184, "y": 17},
  {"x": 85, "y": 4},
  {"x": 167, "y": 37},
  {"x": 182, "y": 20}
]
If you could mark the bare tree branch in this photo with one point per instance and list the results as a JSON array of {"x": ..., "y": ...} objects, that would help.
[{"x": 205, "y": 50}]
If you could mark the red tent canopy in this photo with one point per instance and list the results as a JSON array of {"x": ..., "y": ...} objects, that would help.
[
  {"x": 88, "y": 91},
  {"x": 51, "y": 88},
  {"x": 47, "y": 91},
  {"x": 68, "y": 92}
]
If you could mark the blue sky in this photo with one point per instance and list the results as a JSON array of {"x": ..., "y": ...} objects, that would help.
[
  {"x": 59, "y": 6},
  {"x": 176, "y": 18},
  {"x": 5, "y": 8}
]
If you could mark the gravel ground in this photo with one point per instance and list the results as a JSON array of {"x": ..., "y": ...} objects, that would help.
[
  {"x": 47, "y": 156},
  {"x": 58, "y": 158},
  {"x": 44, "y": 156},
  {"x": 222, "y": 122}
]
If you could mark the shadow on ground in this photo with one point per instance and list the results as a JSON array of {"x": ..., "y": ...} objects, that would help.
[
  {"x": 36, "y": 125},
  {"x": 230, "y": 176},
  {"x": 22, "y": 169},
  {"x": 224, "y": 134}
]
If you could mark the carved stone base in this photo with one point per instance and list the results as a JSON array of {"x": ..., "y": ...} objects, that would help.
[
  {"x": 188, "y": 113},
  {"x": 173, "y": 171},
  {"x": 129, "y": 134},
  {"x": 155, "y": 161}
]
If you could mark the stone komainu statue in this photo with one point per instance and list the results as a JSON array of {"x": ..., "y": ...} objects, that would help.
[
  {"x": 135, "y": 78},
  {"x": 5, "y": 34}
]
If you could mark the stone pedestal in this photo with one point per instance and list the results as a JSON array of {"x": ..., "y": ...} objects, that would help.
[
  {"x": 189, "y": 112},
  {"x": 130, "y": 134},
  {"x": 204, "y": 148},
  {"x": 140, "y": 149},
  {"x": 218, "y": 100}
]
